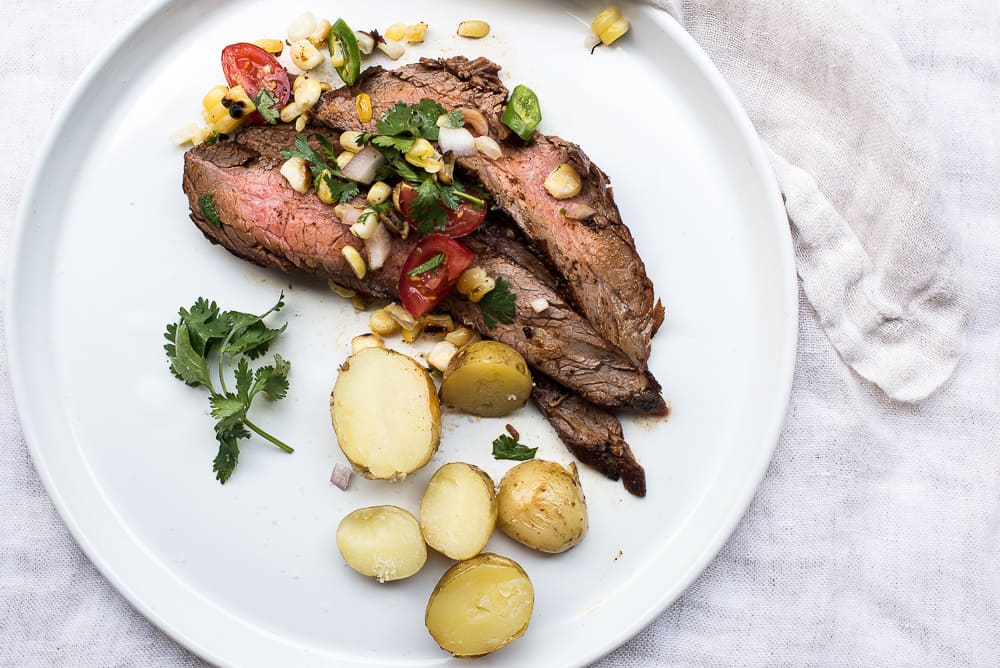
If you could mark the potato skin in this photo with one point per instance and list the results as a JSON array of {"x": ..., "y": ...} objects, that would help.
[
  {"x": 486, "y": 378},
  {"x": 466, "y": 526},
  {"x": 458, "y": 621},
  {"x": 541, "y": 504}
]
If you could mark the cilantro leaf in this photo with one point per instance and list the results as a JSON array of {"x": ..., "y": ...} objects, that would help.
[
  {"x": 186, "y": 363},
  {"x": 326, "y": 147},
  {"x": 433, "y": 263},
  {"x": 341, "y": 191},
  {"x": 273, "y": 380},
  {"x": 206, "y": 326},
  {"x": 430, "y": 208},
  {"x": 227, "y": 457},
  {"x": 498, "y": 304},
  {"x": 267, "y": 105},
  {"x": 417, "y": 120},
  {"x": 505, "y": 447},
  {"x": 402, "y": 144},
  {"x": 456, "y": 119},
  {"x": 207, "y": 205},
  {"x": 226, "y": 405},
  {"x": 244, "y": 380}
]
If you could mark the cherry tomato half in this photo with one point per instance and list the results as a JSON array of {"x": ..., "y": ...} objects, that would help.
[
  {"x": 422, "y": 292},
  {"x": 461, "y": 222},
  {"x": 252, "y": 67}
]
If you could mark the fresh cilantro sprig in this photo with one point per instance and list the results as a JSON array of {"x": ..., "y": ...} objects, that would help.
[
  {"x": 505, "y": 447},
  {"x": 267, "y": 106},
  {"x": 342, "y": 189},
  {"x": 498, "y": 304},
  {"x": 205, "y": 331}
]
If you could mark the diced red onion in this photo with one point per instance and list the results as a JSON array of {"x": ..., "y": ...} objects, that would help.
[
  {"x": 364, "y": 164},
  {"x": 341, "y": 476},
  {"x": 378, "y": 247},
  {"x": 458, "y": 140}
]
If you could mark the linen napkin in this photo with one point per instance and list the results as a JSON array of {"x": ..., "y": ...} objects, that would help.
[{"x": 831, "y": 96}]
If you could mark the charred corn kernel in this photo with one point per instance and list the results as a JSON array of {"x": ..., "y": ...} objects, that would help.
[
  {"x": 349, "y": 141},
  {"x": 366, "y": 43},
  {"x": 185, "y": 135},
  {"x": 360, "y": 303},
  {"x": 365, "y": 227},
  {"x": 422, "y": 154},
  {"x": 461, "y": 337},
  {"x": 344, "y": 158},
  {"x": 563, "y": 182},
  {"x": 296, "y": 172},
  {"x": 605, "y": 19},
  {"x": 366, "y": 341},
  {"x": 615, "y": 30},
  {"x": 379, "y": 192},
  {"x": 272, "y": 46},
  {"x": 411, "y": 334},
  {"x": 306, "y": 91},
  {"x": 355, "y": 260},
  {"x": 482, "y": 289},
  {"x": 438, "y": 323},
  {"x": 290, "y": 112},
  {"x": 401, "y": 316},
  {"x": 539, "y": 305},
  {"x": 395, "y": 32},
  {"x": 303, "y": 26},
  {"x": 340, "y": 290},
  {"x": 488, "y": 147},
  {"x": 473, "y": 29},
  {"x": 440, "y": 355},
  {"x": 382, "y": 323},
  {"x": 363, "y": 102},
  {"x": 305, "y": 55},
  {"x": 319, "y": 34},
  {"x": 301, "y": 122},
  {"x": 392, "y": 48},
  {"x": 337, "y": 57},
  {"x": 415, "y": 34},
  {"x": 238, "y": 106},
  {"x": 323, "y": 187},
  {"x": 214, "y": 97},
  {"x": 325, "y": 86},
  {"x": 469, "y": 279}
]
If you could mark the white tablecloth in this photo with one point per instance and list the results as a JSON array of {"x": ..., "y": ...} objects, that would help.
[{"x": 875, "y": 537}]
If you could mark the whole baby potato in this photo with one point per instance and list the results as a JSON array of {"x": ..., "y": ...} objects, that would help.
[
  {"x": 487, "y": 378},
  {"x": 541, "y": 505}
]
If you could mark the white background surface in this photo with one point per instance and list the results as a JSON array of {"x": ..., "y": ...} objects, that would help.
[{"x": 874, "y": 538}]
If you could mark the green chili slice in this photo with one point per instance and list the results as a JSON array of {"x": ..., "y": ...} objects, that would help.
[
  {"x": 341, "y": 33},
  {"x": 523, "y": 113}
]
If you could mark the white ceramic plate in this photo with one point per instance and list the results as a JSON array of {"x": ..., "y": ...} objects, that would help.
[{"x": 248, "y": 574}]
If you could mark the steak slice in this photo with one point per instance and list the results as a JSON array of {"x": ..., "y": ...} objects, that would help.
[
  {"x": 266, "y": 222},
  {"x": 603, "y": 273}
]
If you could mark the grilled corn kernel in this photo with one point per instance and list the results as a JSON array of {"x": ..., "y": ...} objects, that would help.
[
  {"x": 366, "y": 341},
  {"x": 438, "y": 323},
  {"x": 415, "y": 34},
  {"x": 238, "y": 107},
  {"x": 563, "y": 182},
  {"x": 481, "y": 290},
  {"x": 365, "y": 227},
  {"x": 301, "y": 122},
  {"x": 344, "y": 158},
  {"x": 379, "y": 192},
  {"x": 411, "y": 334},
  {"x": 605, "y": 19},
  {"x": 214, "y": 97},
  {"x": 363, "y": 102},
  {"x": 185, "y": 135},
  {"x": 488, "y": 147},
  {"x": 366, "y": 43},
  {"x": 349, "y": 141},
  {"x": 296, "y": 172},
  {"x": 302, "y": 27},
  {"x": 423, "y": 155},
  {"x": 615, "y": 30},
  {"x": 337, "y": 57},
  {"x": 307, "y": 91},
  {"x": 340, "y": 290},
  {"x": 462, "y": 337},
  {"x": 382, "y": 323},
  {"x": 539, "y": 305},
  {"x": 440, "y": 355},
  {"x": 272, "y": 46},
  {"x": 395, "y": 32},
  {"x": 319, "y": 35},
  {"x": 401, "y": 316},
  {"x": 323, "y": 187},
  {"x": 354, "y": 259},
  {"x": 305, "y": 55},
  {"x": 473, "y": 29},
  {"x": 290, "y": 112},
  {"x": 469, "y": 279},
  {"x": 392, "y": 48}
]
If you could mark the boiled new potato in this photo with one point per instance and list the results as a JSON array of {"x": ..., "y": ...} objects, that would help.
[
  {"x": 541, "y": 504},
  {"x": 458, "y": 510},
  {"x": 382, "y": 542},
  {"x": 486, "y": 378},
  {"x": 480, "y": 605},
  {"x": 385, "y": 413}
]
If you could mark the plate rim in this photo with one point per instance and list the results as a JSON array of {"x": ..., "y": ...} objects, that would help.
[{"x": 784, "y": 377}]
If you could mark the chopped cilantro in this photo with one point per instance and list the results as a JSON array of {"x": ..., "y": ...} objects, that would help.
[
  {"x": 505, "y": 447},
  {"x": 455, "y": 119},
  {"x": 207, "y": 205},
  {"x": 416, "y": 120},
  {"x": 433, "y": 263},
  {"x": 267, "y": 105},
  {"x": 498, "y": 304}
]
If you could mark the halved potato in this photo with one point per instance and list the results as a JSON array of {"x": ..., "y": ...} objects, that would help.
[
  {"x": 385, "y": 413},
  {"x": 458, "y": 510},
  {"x": 480, "y": 605},
  {"x": 382, "y": 542},
  {"x": 486, "y": 378},
  {"x": 541, "y": 504}
]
